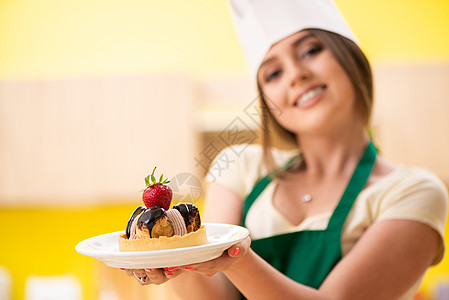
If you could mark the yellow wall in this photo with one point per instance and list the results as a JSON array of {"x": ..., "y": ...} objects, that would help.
[
  {"x": 52, "y": 38},
  {"x": 42, "y": 242},
  {"x": 412, "y": 31}
]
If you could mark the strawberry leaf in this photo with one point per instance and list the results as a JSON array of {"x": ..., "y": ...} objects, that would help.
[{"x": 150, "y": 180}]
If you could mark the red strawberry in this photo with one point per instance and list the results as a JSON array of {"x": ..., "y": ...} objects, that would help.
[{"x": 157, "y": 193}]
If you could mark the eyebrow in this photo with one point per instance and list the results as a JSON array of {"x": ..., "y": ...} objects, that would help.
[{"x": 294, "y": 44}]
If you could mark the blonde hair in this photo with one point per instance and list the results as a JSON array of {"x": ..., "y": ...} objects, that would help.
[{"x": 356, "y": 66}]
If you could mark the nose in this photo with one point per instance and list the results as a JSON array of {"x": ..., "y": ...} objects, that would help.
[{"x": 298, "y": 73}]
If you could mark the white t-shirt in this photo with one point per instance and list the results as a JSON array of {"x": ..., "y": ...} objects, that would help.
[{"x": 408, "y": 193}]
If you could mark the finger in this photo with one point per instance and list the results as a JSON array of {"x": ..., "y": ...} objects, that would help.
[
  {"x": 212, "y": 267},
  {"x": 187, "y": 267},
  {"x": 141, "y": 276},
  {"x": 156, "y": 276},
  {"x": 234, "y": 250},
  {"x": 207, "y": 267},
  {"x": 240, "y": 249},
  {"x": 140, "y": 273},
  {"x": 169, "y": 271},
  {"x": 142, "y": 280},
  {"x": 172, "y": 273}
]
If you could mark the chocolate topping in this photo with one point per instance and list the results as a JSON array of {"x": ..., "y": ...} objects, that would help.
[
  {"x": 131, "y": 219},
  {"x": 190, "y": 214},
  {"x": 150, "y": 217}
]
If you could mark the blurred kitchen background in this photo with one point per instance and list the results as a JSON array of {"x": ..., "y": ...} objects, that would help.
[{"x": 94, "y": 94}]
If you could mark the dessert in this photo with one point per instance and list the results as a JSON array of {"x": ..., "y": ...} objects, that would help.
[{"x": 155, "y": 226}]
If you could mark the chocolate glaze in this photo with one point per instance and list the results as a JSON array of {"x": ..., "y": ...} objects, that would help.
[
  {"x": 188, "y": 212},
  {"x": 131, "y": 219},
  {"x": 150, "y": 216}
]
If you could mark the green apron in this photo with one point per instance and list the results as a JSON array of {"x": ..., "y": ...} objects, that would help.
[{"x": 308, "y": 256}]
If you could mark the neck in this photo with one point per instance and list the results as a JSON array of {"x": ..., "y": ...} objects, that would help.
[{"x": 326, "y": 156}]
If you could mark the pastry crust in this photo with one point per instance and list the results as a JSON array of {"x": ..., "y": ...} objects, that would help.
[{"x": 194, "y": 238}]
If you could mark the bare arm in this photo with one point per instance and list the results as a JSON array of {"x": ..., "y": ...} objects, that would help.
[{"x": 389, "y": 258}]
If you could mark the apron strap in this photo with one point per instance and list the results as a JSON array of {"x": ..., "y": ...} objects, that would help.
[{"x": 354, "y": 187}]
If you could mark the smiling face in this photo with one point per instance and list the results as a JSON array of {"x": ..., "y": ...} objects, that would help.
[{"x": 313, "y": 92}]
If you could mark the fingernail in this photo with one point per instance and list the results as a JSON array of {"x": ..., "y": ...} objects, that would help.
[
  {"x": 188, "y": 268},
  {"x": 172, "y": 268},
  {"x": 236, "y": 251},
  {"x": 169, "y": 274},
  {"x": 149, "y": 270}
]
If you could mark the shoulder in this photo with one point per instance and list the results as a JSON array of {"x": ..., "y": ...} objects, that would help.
[
  {"x": 240, "y": 166},
  {"x": 236, "y": 167},
  {"x": 400, "y": 178},
  {"x": 243, "y": 156},
  {"x": 412, "y": 193},
  {"x": 405, "y": 182},
  {"x": 249, "y": 157},
  {"x": 408, "y": 177}
]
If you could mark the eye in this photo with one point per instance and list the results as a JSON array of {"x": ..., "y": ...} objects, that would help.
[
  {"x": 273, "y": 75},
  {"x": 312, "y": 50}
]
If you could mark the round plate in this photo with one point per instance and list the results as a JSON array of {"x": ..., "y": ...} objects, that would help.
[{"x": 105, "y": 248}]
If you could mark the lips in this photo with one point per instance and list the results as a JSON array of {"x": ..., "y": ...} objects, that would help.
[{"x": 310, "y": 94}]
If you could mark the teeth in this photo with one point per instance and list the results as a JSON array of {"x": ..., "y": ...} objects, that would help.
[{"x": 309, "y": 95}]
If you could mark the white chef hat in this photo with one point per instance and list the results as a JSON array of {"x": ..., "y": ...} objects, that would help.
[{"x": 262, "y": 23}]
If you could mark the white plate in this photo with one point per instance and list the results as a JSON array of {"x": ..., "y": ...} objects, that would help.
[{"x": 105, "y": 248}]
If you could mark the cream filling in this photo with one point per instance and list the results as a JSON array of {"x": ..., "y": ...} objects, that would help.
[
  {"x": 177, "y": 221},
  {"x": 133, "y": 234}
]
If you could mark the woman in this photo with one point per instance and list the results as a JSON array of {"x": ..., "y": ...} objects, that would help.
[{"x": 329, "y": 218}]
